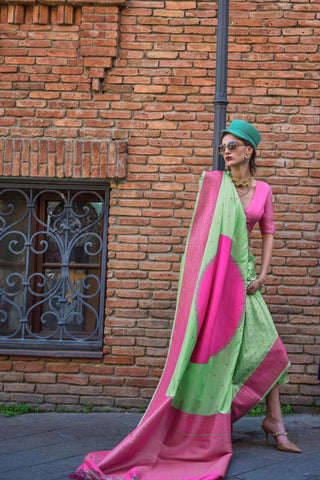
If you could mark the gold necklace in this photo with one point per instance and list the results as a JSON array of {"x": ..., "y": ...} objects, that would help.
[
  {"x": 245, "y": 183},
  {"x": 242, "y": 192}
]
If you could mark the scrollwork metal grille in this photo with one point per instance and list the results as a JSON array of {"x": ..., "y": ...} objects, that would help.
[{"x": 53, "y": 256}]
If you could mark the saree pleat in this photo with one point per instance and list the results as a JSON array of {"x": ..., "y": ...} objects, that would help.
[{"x": 224, "y": 356}]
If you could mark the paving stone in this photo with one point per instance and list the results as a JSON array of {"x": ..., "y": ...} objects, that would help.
[
  {"x": 47, "y": 471},
  {"x": 306, "y": 467},
  {"x": 23, "y": 459}
]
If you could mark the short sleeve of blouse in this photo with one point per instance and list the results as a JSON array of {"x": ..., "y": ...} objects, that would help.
[{"x": 266, "y": 222}]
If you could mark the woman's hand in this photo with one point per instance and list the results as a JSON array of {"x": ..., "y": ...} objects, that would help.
[
  {"x": 258, "y": 283},
  {"x": 254, "y": 286}
]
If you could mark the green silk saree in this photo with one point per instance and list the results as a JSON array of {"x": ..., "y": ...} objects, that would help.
[{"x": 225, "y": 355}]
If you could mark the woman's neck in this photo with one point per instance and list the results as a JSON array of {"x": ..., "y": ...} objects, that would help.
[{"x": 240, "y": 172}]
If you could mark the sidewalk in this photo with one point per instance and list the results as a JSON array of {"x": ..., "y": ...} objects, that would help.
[{"x": 49, "y": 446}]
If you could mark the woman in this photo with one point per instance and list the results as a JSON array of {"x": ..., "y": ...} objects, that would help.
[
  {"x": 225, "y": 354},
  {"x": 238, "y": 150}
]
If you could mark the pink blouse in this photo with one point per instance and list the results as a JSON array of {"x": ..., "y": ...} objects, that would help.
[{"x": 260, "y": 209}]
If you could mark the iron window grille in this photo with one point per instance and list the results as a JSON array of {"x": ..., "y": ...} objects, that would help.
[{"x": 53, "y": 257}]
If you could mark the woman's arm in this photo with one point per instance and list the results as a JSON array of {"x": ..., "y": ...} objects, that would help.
[{"x": 267, "y": 243}]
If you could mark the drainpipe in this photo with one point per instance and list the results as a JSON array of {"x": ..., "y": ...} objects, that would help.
[{"x": 220, "y": 99}]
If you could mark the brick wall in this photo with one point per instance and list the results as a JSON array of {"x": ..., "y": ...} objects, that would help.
[{"x": 139, "y": 80}]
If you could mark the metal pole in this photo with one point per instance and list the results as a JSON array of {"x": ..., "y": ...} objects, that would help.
[{"x": 220, "y": 99}]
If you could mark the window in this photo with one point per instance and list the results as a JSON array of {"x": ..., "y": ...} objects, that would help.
[{"x": 53, "y": 255}]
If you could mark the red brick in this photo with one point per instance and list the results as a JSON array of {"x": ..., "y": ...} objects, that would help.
[
  {"x": 19, "y": 387},
  {"x": 63, "y": 399},
  {"x": 181, "y": 5},
  {"x": 29, "y": 398},
  {"x": 5, "y": 365},
  {"x": 73, "y": 379},
  {"x": 104, "y": 380},
  {"x": 132, "y": 371},
  {"x": 11, "y": 377},
  {"x": 40, "y": 14},
  {"x": 121, "y": 391},
  {"x": 29, "y": 367},
  {"x": 44, "y": 378},
  {"x": 89, "y": 391}
]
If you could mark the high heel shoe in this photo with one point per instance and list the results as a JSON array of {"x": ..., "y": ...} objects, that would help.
[{"x": 287, "y": 447}]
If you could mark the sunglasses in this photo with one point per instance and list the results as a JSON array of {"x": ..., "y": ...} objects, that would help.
[{"x": 230, "y": 146}]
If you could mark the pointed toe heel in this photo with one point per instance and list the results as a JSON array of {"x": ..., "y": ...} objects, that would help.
[{"x": 283, "y": 447}]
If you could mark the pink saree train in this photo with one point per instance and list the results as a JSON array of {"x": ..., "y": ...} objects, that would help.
[{"x": 225, "y": 355}]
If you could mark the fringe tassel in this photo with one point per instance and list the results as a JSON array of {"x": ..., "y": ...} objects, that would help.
[{"x": 92, "y": 475}]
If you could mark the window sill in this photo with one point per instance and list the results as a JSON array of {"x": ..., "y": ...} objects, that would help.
[{"x": 50, "y": 353}]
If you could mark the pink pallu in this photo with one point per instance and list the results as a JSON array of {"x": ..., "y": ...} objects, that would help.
[{"x": 214, "y": 373}]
